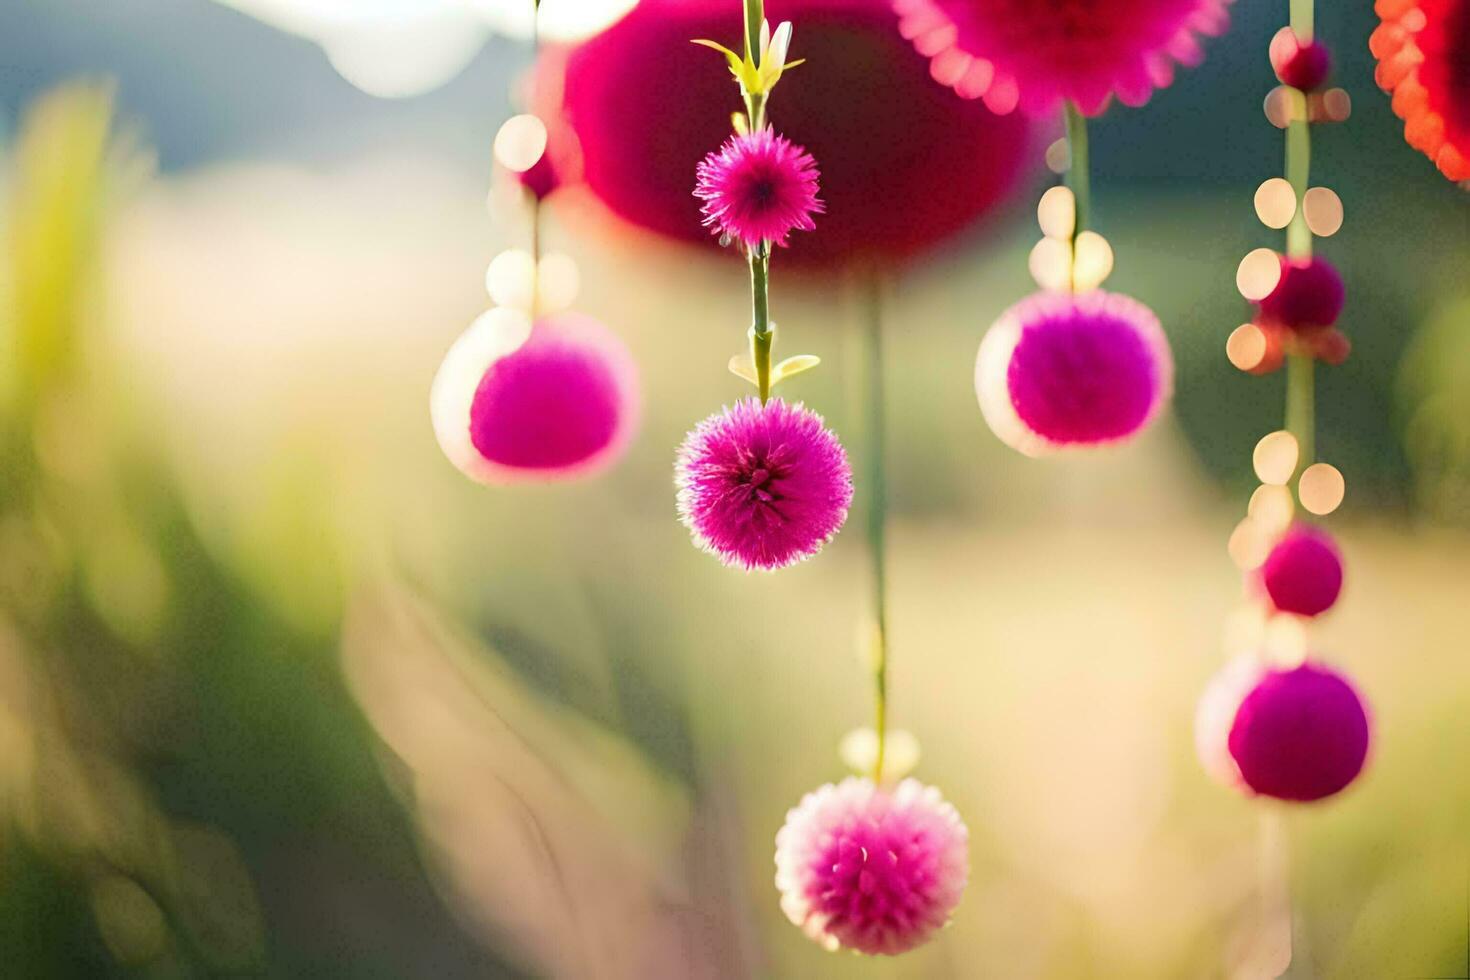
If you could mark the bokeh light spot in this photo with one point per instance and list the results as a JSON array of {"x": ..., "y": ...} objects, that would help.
[
  {"x": 520, "y": 143},
  {"x": 1337, "y": 105},
  {"x": 1279, "y": 106},
  {"x": 1093, "y": 262},
  {"x": 511, "y": 279},
  {"x": 1246, "y": 347},
  {"x": 1258, "y": 274},
  {"x": 1275, "y": 458},
  {"x": 1322, "y": 209},
  {"x": 1057, "y": 213},
  {"x": 1051, "y": 264},
  {"x": 1249, "y": 545},
  {"x": 1059, "y": 157},
  {"x": 557, "y": 283},
  {"x": 859, "y": 752},
  {"x": 1285, "y": 640},
  {"x": 1276, "y": 203},
  {"x": 1271, "y": 508},
  {"x": 1321, "y": 488}
]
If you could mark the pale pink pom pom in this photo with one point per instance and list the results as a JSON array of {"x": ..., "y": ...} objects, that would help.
[{"x": 877, "y": 870}]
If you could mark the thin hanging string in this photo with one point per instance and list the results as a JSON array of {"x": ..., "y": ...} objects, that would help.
[
  {"x": 1078, "y": 177},
  {"x": 877, "y": 484},
  {"x": 536, "y": 198},
  {"x": 1282, "y": 925}
]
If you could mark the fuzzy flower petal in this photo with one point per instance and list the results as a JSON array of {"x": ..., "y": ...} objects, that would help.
[
  {"x": 877, "y": 870},
  {"x": 758, "y": 187},
  {"x": 1060, "y": 370},
  {"x": 1037, "y": 54},
  {"x": 1422, "y": 48},
  {"x": 763, "y": 486}
]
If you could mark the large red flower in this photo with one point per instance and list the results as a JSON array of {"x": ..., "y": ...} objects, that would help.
[
  {"x": 905, "y": 165},
  {"x": 1423, "y": 52},
  {"x": 1036, "y": 53}
]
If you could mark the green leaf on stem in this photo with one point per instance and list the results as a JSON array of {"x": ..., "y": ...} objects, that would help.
[
  {"x": 742, "y": 366},
  {"x": 793, "y": 366}
]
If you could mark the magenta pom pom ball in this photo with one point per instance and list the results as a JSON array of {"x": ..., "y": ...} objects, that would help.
[
  {"x": 763, "y": 486},
  {"x": 1300, "y": 734},
  {"x": 905, "y": 165},
  {"x": 1303, "y": 572},
  {"x": 1302, "y": 66},
  {"x": 1060, "y": 370},
  {"x": 874, "y": 869},
  {"x": 515, "y": 401},
  {"x": 1308, "y": 296},
  {"x": 758, "y": 188}
]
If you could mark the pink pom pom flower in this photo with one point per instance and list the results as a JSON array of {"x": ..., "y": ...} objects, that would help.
[
  {"x": 758, "y": 187},
  {"x": 763, "y": 486},
  {"x": 1309, "y": 295},
  {"x": 1302, "y": 66},
  {"x": 1060, "y": 370},
  {"x": 516, "y": 402},
  {"x": 1303, "y": 573},
  {"x": 1035, "y": 55},
  {"x": 1300, "y": 734},
  {"x": 872, "y": 869}
]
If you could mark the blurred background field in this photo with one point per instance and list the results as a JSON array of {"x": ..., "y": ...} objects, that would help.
[{"x": 283, "y": 694}]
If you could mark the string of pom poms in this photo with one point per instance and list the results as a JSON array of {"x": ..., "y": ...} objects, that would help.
[{"x": 533, "y": 392}]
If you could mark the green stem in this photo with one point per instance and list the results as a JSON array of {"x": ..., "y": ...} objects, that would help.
[
  {"x": 760, "y": 329},
  {"x": 1303, "y": 19},
  {"x": 1300, "y": 368},
  {"x": 1078, "y": 170},
  {"x": 755, "y": 111},
  {"x": 877, "y": 515},
  {"x": 1299, "y": 174},
  {"x": 1301, "y": 406}
]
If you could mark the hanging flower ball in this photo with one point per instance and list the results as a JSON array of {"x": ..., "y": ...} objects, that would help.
[
  {"x": 758, "y": 187},
  {"x": 1300, "y": 734},
  {"x": 1060, "y": 370},
  {"x": 1303, "y": 573},
  {"x": 905, "y": 165},
  {"x": 1422, "y": 47},
  {"x": 1302, "y": 66},
  {"x": 1308, "y": 296},
  {"x": 763, "y": 486},
  {"x": 870, "y": 868},
  {"x": 1036, "y": 55},
  {"x": 517, "y": 401}
]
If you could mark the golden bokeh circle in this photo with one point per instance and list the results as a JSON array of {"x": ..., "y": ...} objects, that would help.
[
  {"x": 1258, "y": 274},
  {"x": 1275, "y": 458},
  {"x": 1322, "y": 209},
  {"x": 1321, "y": 489},
  {"x": 1275, "y": 202}
]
